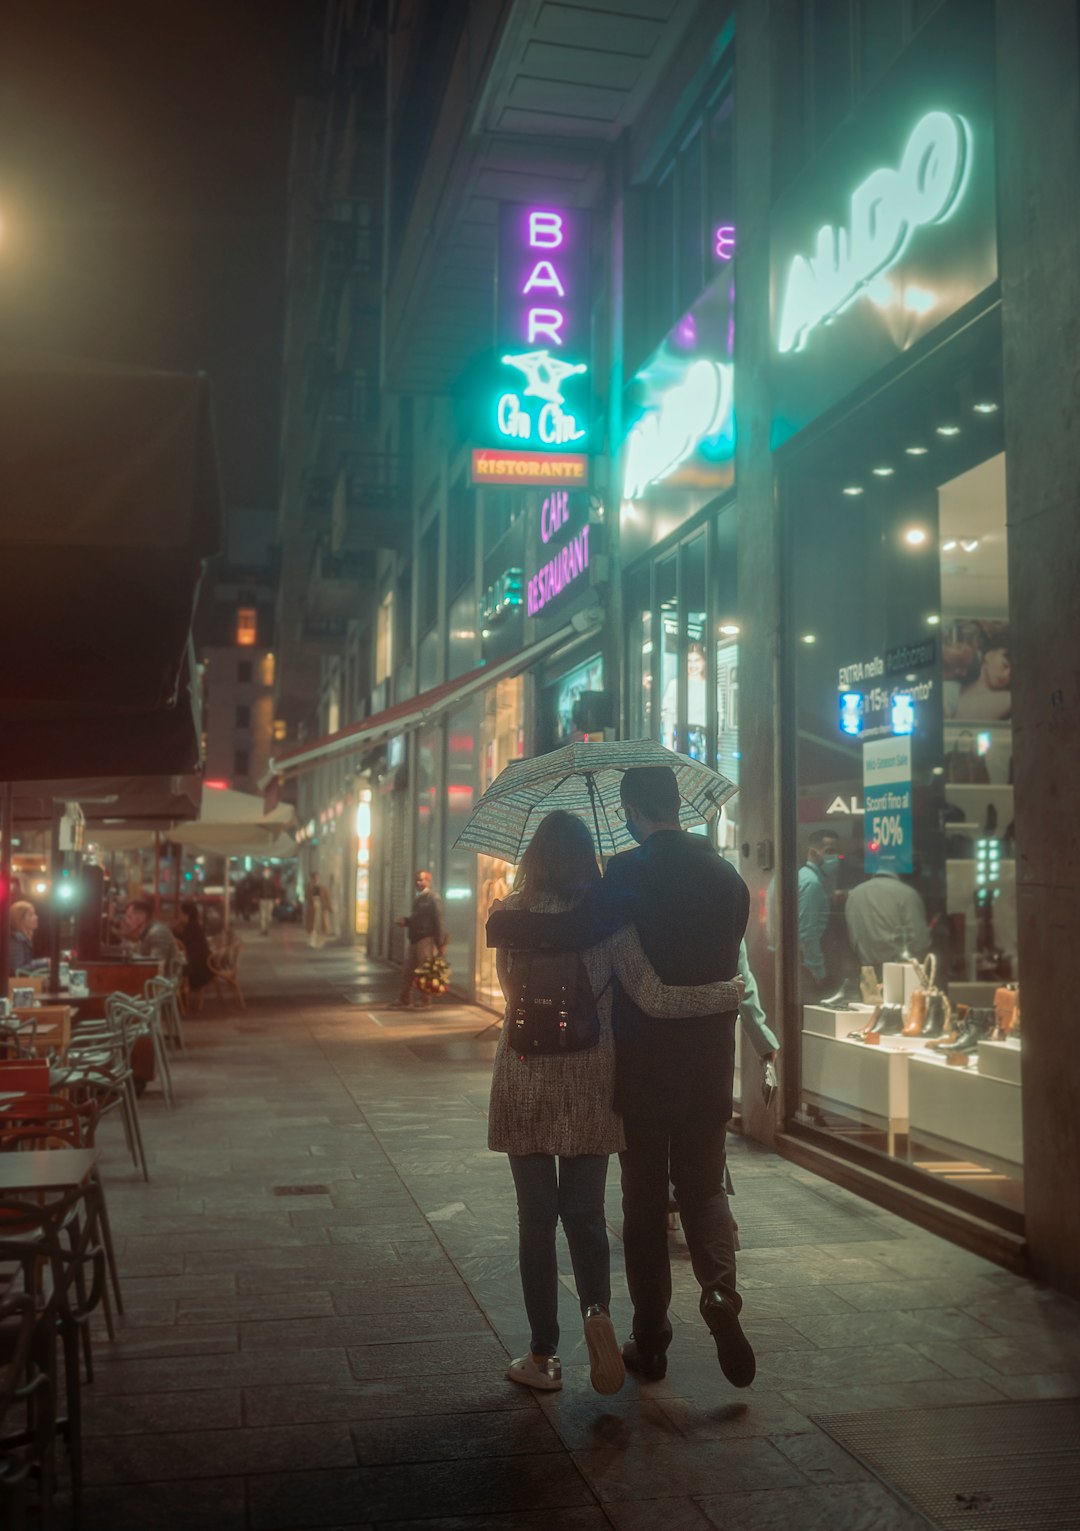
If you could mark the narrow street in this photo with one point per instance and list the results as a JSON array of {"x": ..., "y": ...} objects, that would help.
[{"x": 321, "y": 1292}]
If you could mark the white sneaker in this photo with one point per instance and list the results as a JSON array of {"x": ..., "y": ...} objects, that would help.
[
  {"x": 607, "y": 1370},
  {"x": 541, "y": 1372}
]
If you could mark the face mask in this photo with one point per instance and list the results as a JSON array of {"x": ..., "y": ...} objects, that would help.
[
  {"x": 830, "y": 865},
  {"x": 634, "y": 831}
]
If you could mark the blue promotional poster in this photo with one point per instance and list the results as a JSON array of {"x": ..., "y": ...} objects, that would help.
[{"x": 887, "y": 797}]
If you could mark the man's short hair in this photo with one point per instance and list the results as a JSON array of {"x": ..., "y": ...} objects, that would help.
[
  {"x": 817, "y": 837},
  {"x": 143, "y": 905},
  {"x": 653, "y": 791}
]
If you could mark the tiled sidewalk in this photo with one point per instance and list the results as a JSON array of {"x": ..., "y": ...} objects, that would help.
[{"x": 322, "y": 1294}]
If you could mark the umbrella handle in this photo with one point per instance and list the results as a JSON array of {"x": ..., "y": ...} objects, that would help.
[{"x": 596, "y": 818}]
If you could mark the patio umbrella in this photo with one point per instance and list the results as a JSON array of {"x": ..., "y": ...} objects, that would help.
[{"x": 584, "y": 779}]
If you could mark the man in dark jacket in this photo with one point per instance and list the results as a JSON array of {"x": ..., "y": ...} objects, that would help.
[
  {"x": 427, "y": 935},
  {"x": 673, "y": 1081}
]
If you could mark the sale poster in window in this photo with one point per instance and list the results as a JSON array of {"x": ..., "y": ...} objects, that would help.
[{"x": 887, "y": 799}]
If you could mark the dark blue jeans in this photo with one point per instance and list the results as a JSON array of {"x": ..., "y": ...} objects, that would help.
[{"x": 550, "y": 1189}]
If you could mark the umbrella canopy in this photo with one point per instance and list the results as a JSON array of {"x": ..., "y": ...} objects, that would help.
[
  {"x": 584, "y": 779},
  {"x": 237, "y": 824}
]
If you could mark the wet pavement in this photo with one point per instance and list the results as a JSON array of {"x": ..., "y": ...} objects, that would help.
[{"x": 322, "y": 1297}]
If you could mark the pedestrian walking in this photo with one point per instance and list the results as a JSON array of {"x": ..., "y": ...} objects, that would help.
[
  {"x": 427, "y": 937},
  {"x": 673, "y": 1084},
  {"x": 554, "y": 1113},
  {"x": 267, "y": 891},
  {"x": 316, "y": 912}
]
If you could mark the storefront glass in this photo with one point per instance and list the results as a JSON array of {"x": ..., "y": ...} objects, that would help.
[
  {"x": 902, "y": 689},
  {"x": 502, "y": 739},
  {"x": 362, "y": 908}
]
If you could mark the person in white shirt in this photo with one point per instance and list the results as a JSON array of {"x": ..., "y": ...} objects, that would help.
[{"x": 886, "y": 921}]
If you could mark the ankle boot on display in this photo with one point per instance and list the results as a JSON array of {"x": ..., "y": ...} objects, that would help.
[
  {"x": 848, "y": 994},
  {"x": 915, "y": 1020},
  {"x": 937, "y": 1009}
]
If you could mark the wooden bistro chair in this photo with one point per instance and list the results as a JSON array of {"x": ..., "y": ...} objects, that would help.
[{"x": 225, "y": 966}]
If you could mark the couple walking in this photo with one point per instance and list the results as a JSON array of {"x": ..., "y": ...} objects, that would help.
[{"x": 660, "y": 937}]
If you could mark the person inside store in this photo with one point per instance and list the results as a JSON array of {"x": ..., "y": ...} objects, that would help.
[
  {"x": 554, "y": 1113},
  {"x": 144, "y": 934},
  {"x": 23, "y": 923},
  {"x": 886, "y": 921},
  {"x": 673, "y": 1085},
  {"x": 268, "y": 896},
  {"x": 192, "y": 937},
  {"x": 426, "y": 936},
  {"x": 817, "y": 886}
]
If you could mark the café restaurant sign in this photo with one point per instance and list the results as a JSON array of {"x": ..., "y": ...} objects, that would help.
[
  {"x": 563, "y": 554},
  {"x": 543, "y": 380},
  {"x": 891, "y": 229}
]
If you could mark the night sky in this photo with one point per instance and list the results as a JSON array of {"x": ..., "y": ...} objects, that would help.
[{"x": 143, "y": 164}]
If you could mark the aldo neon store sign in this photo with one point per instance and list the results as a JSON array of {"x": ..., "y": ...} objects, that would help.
[
  {"x": 886, "y": 210},
  {"x": 543, "y": 395}
]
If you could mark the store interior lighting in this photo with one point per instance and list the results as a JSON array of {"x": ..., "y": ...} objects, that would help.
[
  {"x": 916, "y": 451},
  {"x": 915, "y": 536},
  {"x": 809, "y": 638},
  {"x": 948, "y": 430},
  {"x": 730, "y": 629},
  {"x": 933, "y": 621},
  {"x": 853, "y": 489},
  {"x": 985, "y": 407},
  {"x": 969, "y": 544},
  {"x": 884, "y": 471}
]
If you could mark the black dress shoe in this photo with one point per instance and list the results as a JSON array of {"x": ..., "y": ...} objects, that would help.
[
  {"x": 649, "y": 1365},
  {"x": 976, "y": 1029},
  {"x": 733, "y": 1349},
  {"x": 888, "y": 1022}
]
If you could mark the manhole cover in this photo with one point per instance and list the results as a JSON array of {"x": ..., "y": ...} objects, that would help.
[
  {"x": 994, "y": 1466},
  {"x": 300, "y": 1190}
]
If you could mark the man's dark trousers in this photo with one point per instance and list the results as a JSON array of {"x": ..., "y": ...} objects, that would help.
[{"x": 693, "y": 1158}]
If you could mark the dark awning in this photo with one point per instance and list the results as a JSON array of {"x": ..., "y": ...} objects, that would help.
[
  {"x": 111, "y": 505},
  {"x": 141, "y": 802}
]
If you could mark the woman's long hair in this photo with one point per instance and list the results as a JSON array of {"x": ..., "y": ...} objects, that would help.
[{"x": 560, "y": 861}]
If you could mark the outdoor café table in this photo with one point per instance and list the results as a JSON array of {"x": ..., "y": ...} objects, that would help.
[{"x": 46, "y": 1169}]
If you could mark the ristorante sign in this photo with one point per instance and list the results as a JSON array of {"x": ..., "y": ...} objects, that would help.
[{"x": 543, "y": 382}]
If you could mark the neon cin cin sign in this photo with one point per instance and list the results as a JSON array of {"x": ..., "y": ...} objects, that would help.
[
  {"x": 886, "y": 210},
  {"x": 543, "y": 326},
  {"x": 558, "y": 514}
]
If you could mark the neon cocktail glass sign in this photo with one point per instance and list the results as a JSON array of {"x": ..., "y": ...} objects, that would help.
[
  {"x": 543, "y": 326},
  {"x": 887, "y": 209}
]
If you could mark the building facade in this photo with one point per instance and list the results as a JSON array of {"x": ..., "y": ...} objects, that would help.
[{"x": 722, "y": 398}]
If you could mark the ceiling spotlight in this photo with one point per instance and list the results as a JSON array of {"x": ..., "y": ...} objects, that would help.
[
  {"x": 948, "y": 430},
  {"x": 915, "y": 536},
  {"x": 853, "y": 489},
  {"x": 949, "y": 546},
  {"x": 969, "y": 544},
  {"x": 933, "y": 621},
  {"x": 883, "y": 472},
  {"x": 730, "y": 629},
  {"x": 809, "y": 638},
  {"x": 916, "y": 451},
  {"x": 985, "y": 407}
]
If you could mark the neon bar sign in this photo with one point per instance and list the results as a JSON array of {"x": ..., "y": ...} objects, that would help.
[
  {"x": 543, "y": 327},
  {"x": 568, "y": 562},
  {"x": 886, "y": 211}
]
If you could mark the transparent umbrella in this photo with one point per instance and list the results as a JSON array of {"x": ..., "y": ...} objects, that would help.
[{"x": 584, "y": 779}]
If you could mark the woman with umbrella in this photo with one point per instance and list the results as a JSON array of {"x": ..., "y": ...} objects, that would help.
[{"x": 552, "y": 1113}]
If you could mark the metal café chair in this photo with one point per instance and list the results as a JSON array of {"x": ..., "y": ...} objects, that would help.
[
  {"x": 27, "y": 1412},
  {"x": 99, "y": 1068},
  {"x": 164, "y": 995},
  {"x": 143, "y": 1018}
]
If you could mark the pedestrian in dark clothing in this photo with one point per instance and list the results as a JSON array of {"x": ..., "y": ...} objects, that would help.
[
  {"x": 192, "y": 938},
  {"x": 427, "y": 936},
  {"x": 673, "y": 1085}
]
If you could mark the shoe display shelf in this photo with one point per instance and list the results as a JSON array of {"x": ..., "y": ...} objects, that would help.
[
  {"x": 867, "y": 1083},
  {"x": 967, "y": 1111},
  {"x": 826, "y": 1022},
  {"x": 1000, "y": 1060}
]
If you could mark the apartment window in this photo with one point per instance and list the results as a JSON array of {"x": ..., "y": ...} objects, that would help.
[
  {"x": 247, "y": 627},
  {"x": 240, "y": 762},
  {"x": 243, "y": 672},
  {"x": 243, "y": 717}
]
